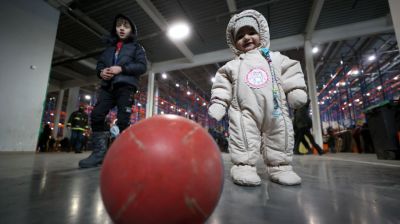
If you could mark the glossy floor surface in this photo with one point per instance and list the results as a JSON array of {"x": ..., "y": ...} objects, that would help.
[{"x": 336, "y": 188}]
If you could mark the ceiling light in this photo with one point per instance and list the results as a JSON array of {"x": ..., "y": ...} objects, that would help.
[
  {"x": 178, "y": 31},
  {"x": 139, "y": 104},
  {"x": 164, "y": 76},
  {"x": 357, "y": 100},
  {"x": 379, "y": 87},
  {"x": 368, "y": 94},
  {"x": 204, "y": 104},
  {"x": 188, "y": 93},
  {"x": 197, "y": 99},
  {"x": 162, "y": 112},
  {"x": 88, "y": 97},
  {"x": 396, "y": 77},
  {"x": 177, "y": 84},
  {"x": 315, "y": 50},
  {"x": 371, "y": 58}
]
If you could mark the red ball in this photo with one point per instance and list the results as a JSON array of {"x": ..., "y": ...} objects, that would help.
[{"x": 165, "y": 169}]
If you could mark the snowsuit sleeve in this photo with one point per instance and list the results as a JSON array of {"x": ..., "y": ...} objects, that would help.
[
  {"x": 221, "y": 91},
  {"x": 292, "y": 75}
]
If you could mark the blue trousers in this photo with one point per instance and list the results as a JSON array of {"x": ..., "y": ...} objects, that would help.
[{"x": 77, "y": 139}]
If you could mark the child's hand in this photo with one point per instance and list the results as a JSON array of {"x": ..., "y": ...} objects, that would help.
[
  {"x": 297, "y": 98},
  {"x": 217, "y": 111},
  {"x": 115, "y": 70},
  {"x": 105, "y": 74}
]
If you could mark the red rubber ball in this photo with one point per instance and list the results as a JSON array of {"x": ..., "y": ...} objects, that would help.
[{"x": 165, "y": 169}]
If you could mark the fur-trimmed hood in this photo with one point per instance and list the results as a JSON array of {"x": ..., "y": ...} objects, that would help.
[{"x": 263, "y": 27}]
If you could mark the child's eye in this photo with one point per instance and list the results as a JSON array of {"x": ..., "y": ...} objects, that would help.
[{"x": 240, "y": 36}]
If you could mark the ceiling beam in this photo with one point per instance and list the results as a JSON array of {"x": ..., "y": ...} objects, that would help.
[
  {"x": 64, "y": 49},
  {"x": 89, "y": 21},
  {"x": 360, "y": 29},
  {"x": 313, "y": 18},
  {"x": 53, "y": 86},
  {"x": 365, "y": 28},
  {"x": 162, "y": 23},
  {"x": 348, "y": 31},
  {"x": 78, "y": 16},
  {"x": 69, "y": 73},
  {"x": 231, "y": 5}
]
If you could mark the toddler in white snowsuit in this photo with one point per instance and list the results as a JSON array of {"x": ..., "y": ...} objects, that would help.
[{"x": 256, "y": 87}]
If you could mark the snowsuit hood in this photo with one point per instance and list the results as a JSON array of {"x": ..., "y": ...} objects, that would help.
[{"x": 263, "y": 28}]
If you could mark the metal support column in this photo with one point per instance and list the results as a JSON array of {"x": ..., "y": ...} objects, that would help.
[
  {"x": 312, "y": 92},
  {"x": 156, "y": 97},
  {"x": 150, "y": 95},
  {"x": 72, "y": 105},
  {"x": 58, "y": 112},
  {"x": 378, "y": 67},
  {"x": 394, "y": 6}
]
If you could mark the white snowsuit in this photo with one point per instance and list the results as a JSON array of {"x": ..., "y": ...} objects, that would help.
[{"x": 245, "y": 86}]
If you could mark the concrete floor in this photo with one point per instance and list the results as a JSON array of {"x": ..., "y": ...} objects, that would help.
[{"x": 337, "y": 188}]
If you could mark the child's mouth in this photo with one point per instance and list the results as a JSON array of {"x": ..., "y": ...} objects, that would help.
[{"x": 248, "y": 45}]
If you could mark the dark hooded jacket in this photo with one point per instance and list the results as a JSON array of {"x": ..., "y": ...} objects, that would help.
[{"x": 132, "y": 58}]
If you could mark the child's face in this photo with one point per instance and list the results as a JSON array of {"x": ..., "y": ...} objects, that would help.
[
  {"x": 247, "y": 39},
  {"x": 123, "y": 28}
]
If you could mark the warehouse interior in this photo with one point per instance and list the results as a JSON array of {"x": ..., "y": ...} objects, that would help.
[{"x": 349, "y": 54}]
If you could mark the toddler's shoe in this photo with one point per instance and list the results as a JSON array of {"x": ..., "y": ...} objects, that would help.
[
  {"x": 284, "y": 175},
  {"x": 245, "y": 175}
]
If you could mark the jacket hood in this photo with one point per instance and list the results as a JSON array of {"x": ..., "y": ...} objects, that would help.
[
  {"x": 263, "y": 27},
  {"x": 113, "y": 33}
]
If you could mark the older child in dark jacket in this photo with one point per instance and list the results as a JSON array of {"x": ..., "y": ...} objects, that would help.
[{"x": 119, "y": 68}]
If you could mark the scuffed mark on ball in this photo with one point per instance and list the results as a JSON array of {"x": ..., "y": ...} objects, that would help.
[
  {"x": 123, "y": 208},
  {"x": 192, "y": 204},
  {"x": 136, "y": 140},
  {"x": 188, "y": 136}
]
